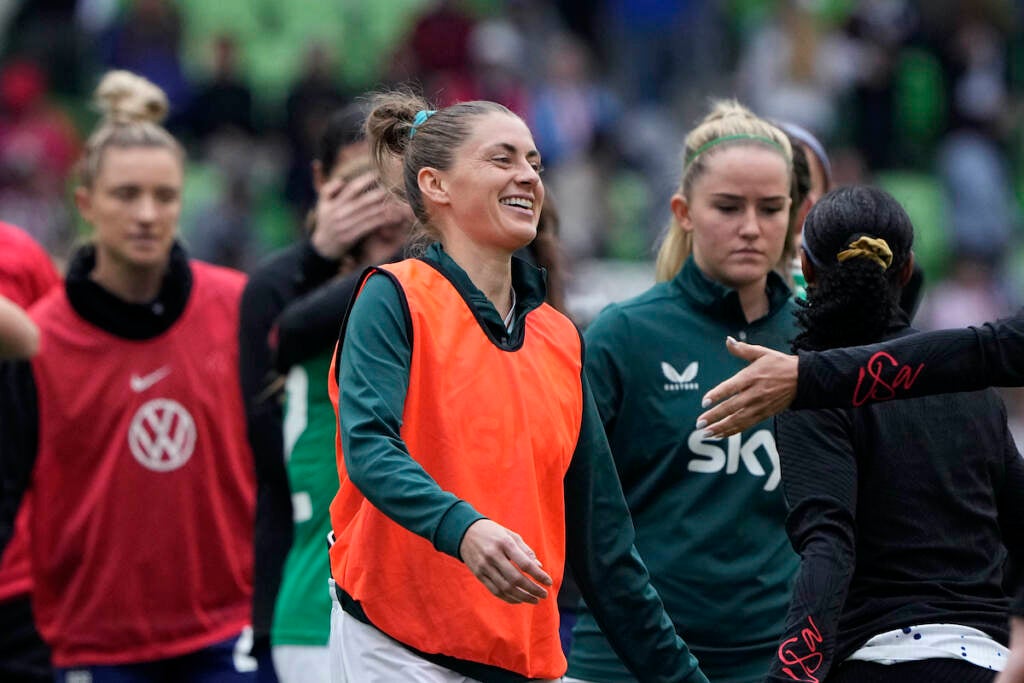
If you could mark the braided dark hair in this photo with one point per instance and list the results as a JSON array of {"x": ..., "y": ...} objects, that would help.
[{"x": 852, "y": 302}]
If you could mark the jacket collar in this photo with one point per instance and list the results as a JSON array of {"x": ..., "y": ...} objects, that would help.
[
  {"x": 528, "y": 281},
  {"x": 719, "y": 301},
  {"x": 121, "y": 318}
]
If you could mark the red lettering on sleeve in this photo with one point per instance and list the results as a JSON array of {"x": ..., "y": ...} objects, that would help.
[
  {"x": 881, "y": 388},
  {"x": 802, "y": 651}
]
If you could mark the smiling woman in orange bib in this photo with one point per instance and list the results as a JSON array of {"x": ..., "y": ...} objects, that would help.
[{"x": 471, "y": 458}]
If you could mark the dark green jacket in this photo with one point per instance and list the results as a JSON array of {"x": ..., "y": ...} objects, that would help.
[
  {"x": 374, "y": 377},
  {"x": 709, "y": 516}
]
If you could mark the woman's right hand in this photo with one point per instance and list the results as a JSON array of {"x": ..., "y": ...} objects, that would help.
[
  {"x": 503, "y": 562},
  {"x": 347, "y": 211},
  {"x": 765, "y": 388}
]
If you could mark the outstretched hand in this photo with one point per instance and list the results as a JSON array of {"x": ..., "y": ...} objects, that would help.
[
  {"x": 765, "y": 388},
  {"x": 503, "y": 562}
]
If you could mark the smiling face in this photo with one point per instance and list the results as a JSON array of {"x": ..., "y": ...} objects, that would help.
[
  {"x": 738, "y": 214},
  {"x": 133, "y": 205},
  {"x": 492, "y": 194}
]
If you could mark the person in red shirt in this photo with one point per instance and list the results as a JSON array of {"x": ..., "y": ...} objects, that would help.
[
  {"x": 129, "y": 429},
  {"x": 26, "y": 271},
  {"x": 26, "y": 274}
]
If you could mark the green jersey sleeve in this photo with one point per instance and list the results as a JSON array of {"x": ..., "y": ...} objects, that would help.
[{"x": 373, "y": 381}]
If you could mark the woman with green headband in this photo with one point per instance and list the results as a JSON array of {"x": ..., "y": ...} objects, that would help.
[{"x": 709, "y": 514}]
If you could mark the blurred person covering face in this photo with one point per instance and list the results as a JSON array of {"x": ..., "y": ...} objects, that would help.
[
  {"x": 492, "y": 195},
  {"x": 133, "y": 205},
  {"x": 356, "y": 153},
  {"x": 738, "y": 215}
]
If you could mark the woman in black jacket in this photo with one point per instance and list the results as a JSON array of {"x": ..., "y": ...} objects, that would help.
[{"x": 899, "y": 511}]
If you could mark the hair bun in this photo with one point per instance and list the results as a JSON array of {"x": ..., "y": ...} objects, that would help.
[
  {"x": 723, "y": 109},
  {"x": 124, "y": 97}
]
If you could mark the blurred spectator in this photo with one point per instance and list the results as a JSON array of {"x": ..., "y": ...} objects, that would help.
[
  {"x": 976, "y": 60},
  {"x": 30, "y": 124},
  {"x": 571, "y": 112},
  {"x": 496, "y": 51},
  {"x": 310, "y": 103},
  {"x": 225, "y": 100},
  {"x": 982, "y": 208},
  {"x": 873, "y": 39},
  {"x": 47, "y": 31},
  {"x": 147, "y": 40},
  {"x": 38, "y": 145},
  {"x": 970, "y": 296},
  {"x": 222, "y": 233},
  {"x": 572, "y": 116},
  {"x": 580, "y": 18},
  {"x": 541, "y": 21},
  {"x": 791, "y": 69},
  {"x": 437, "y": 48},
  {"x": 972, "y": 163},
  {"x": 661, "y": 50}
]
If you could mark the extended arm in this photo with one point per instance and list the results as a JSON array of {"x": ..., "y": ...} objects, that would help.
[
  {"x": 1011, "y": 522},
  {"x": 820, "y": 483},
  {"x": 918, "y": 365},
  {"x": 19, "y": 337},
  {"x": 309, "y": 325}
]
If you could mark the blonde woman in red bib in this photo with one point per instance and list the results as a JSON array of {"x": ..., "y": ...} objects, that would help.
[{"x": 131, "y": 440}]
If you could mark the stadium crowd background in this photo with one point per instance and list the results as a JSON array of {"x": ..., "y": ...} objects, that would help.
[{"x": 921, "y": 98}]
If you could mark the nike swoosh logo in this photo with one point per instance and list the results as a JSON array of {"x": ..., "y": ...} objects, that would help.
[{"x": 140, "y": 384}]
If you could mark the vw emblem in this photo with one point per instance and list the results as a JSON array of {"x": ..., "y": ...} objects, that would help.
[{"x": 162, "y": 435}]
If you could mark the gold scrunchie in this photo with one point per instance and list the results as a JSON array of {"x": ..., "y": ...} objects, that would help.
[{"x": 874, "y": 248}]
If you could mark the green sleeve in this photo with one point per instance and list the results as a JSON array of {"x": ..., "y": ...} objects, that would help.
[
  {"x": 604, "y": 339},
  {"x": 373, "y": 381},
  {"x": 611, "y": 576}
]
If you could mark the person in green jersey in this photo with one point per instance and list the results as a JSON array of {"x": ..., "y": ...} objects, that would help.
[{"x": 709, "y": 514}]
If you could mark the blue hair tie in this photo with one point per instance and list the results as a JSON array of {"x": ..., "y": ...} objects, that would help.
[{"x": 421, "y": 117}]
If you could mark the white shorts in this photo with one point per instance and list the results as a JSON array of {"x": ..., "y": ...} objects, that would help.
[
  {"x": 302, "y": 663},
  {"x": 361, "y": 653}
]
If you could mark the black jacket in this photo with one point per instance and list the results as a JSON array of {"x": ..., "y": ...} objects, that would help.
[
  {"x": 902, "y": 513},
  {"x": 277, "y": 281}
]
